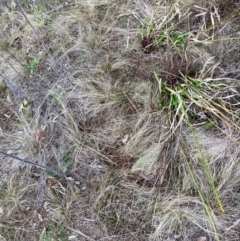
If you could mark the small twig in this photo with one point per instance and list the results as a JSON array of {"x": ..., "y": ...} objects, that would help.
[
  {"x": 41, "y": 190},
  {"x": 36, "y": 33},
  {"x": 11, "y": 86},
  {"x": 13, "y": 56},
  {"x": 135, "y": 108},
  {"x": 10, "y": 65},
  {"x": 75, "y": 230},
  {"x": 33, "y": 164}
]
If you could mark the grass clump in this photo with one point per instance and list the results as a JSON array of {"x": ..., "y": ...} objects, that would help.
[{"x": 128, "y": 114}]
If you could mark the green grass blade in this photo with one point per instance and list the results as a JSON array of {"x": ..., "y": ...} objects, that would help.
[
  {"x": 204, "y": 162},
  {"x": 200, "y": 194}
]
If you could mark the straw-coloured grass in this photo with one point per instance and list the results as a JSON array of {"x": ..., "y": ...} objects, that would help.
[{"x": 127, "y": 116}]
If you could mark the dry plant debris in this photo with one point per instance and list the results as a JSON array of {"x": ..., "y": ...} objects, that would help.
[{"x": 135, "y": 104}]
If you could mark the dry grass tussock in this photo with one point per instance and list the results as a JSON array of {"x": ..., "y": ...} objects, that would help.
[{"x": 126, "y": 114}]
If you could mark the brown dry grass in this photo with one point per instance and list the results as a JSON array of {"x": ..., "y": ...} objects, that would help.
[{"x": 97, "y": 114}]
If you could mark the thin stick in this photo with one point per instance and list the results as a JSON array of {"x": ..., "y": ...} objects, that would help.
[
  {"x": 35, "y": 32},
  {"x": 11, "y": 86},
  {"x": 31, "y": 163},
  {"x": 13, "y": 56}
]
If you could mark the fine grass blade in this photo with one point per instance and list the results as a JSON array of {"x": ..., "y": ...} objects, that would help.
[{"x": 200, "y": 194}]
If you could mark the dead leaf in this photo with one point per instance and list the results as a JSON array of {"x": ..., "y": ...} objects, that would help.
[
  {"x": 202, "y": 238},
  {"x": 41, "y": 134},
  {"x": 1, "y": 210},
  {"x": 51, "y": 182}
]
